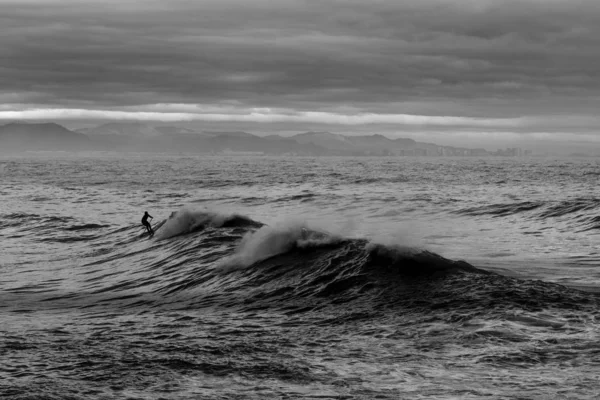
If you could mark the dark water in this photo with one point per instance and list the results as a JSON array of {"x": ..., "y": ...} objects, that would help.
[{"x": 299, "y": 278}]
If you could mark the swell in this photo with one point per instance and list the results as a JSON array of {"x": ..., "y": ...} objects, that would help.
[
  {"x": 242, "y": 264},
  {"x": 51, "y": 226},
  {"x": 500, "y": 210},
  {"x": 377, "y": 279},
  {"x": 580, "y": 212},
  {"x": 570, "y": 206},
  {"x": 347, "y": 271},
  {"x": 32, "y": 220},
  {"x": 84, "y": 227}
]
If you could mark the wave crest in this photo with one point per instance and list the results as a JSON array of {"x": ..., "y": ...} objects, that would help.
[
  {"x": 269, "y": 241},
  {"x": 188, "y": 219}
]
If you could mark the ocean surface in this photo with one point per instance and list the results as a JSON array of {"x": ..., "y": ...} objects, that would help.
[{"x": 316, "y": 278}]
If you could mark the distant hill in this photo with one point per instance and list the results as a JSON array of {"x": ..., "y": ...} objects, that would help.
[
  {"x": 137, "y": 136},
  {"x": 242, "y": 142},
  {"x": 327, "y": 140},
  {"x": 135, "y": 129},
  {"x": 131, "y": 136},
  {"x": 231, "y": 134},
  {"x": 173, "y": 130},
  {"x": 360, "y": 145},
  {"x": 41, "y": 137},
  {"x": 381, "y": 142},
  {"x": 144, "y": 137}
]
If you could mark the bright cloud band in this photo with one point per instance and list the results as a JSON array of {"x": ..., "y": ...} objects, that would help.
[{"x": 262, "y": 117}]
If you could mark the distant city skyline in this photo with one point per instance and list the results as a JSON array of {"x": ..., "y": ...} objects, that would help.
[{"x": 479, "y": 73}]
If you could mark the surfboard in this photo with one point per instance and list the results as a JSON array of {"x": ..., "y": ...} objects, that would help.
[
  {"x": 154, "y": 228},
  {"x": 146, "y": 234}
]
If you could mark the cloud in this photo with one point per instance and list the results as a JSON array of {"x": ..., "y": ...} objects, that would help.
[
  {"x": 469, "y": 126},
  {"x": 260, "y": 115},
  {"x": 421, "y": 62}
]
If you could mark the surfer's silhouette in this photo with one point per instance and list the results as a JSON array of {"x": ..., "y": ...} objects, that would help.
[{"x": 146, "y": 223}]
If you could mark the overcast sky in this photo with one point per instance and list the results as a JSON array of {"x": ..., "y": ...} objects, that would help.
[{"x": 463, "y": 67}]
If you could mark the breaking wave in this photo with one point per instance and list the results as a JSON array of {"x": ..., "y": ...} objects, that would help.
[
  {"x": 269, "y": 241},
  {"x": 207, "y": 258},
  {"x": 190, "y": 219}
]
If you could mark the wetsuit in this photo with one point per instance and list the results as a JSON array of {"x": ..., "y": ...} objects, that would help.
[{"x": 147, "y": 224}]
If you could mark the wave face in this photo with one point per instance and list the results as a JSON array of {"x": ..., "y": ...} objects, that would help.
[
  {"x": 200, "y": 258},
  {"x": 188, "y": 220},
  {"x": 212, "y": 258},
  {"x": 376, "y": 279}
]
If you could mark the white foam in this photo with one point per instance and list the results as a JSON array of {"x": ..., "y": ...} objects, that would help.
[
  {"x": 276, "y": 239},
  {"x": 405, "y": 239},
  {"x": 191, "y": 218}
]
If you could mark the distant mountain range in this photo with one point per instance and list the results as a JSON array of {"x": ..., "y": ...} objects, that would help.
[
  {"x": 45, "y": 136},
  {"x": 135, "y": 136}
]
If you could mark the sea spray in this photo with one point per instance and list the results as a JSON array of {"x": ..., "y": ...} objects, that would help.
[
  {"x": 279, "y": 238},
  {"x": 192, "y": 218}
]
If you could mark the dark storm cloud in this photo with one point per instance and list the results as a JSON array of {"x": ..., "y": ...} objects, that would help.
[{"x": 465, "y": 59}]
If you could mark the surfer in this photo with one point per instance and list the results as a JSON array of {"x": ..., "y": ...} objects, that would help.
[{"x": 146, "y": 223}]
